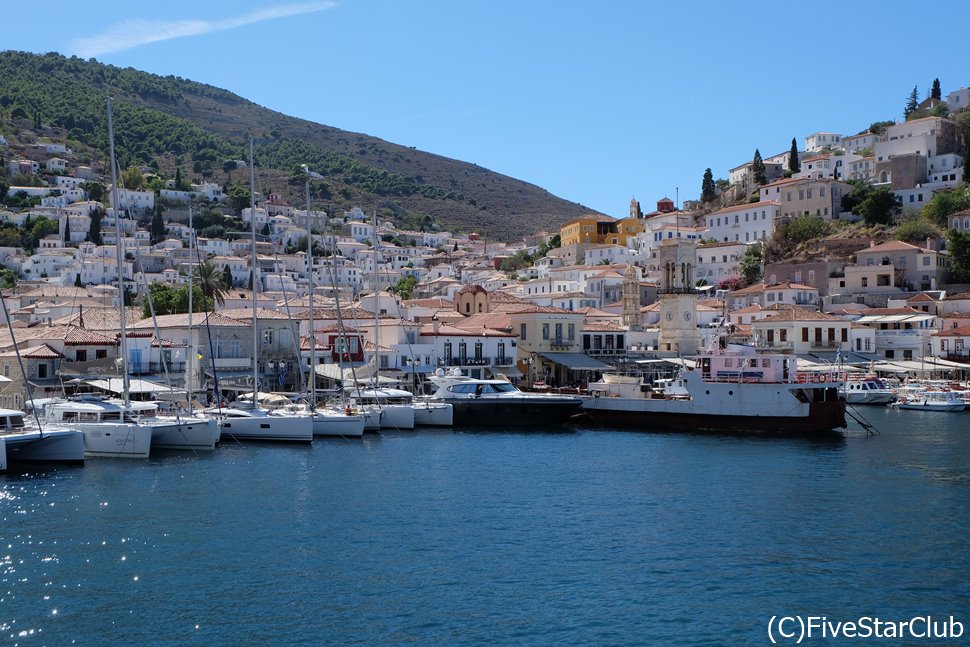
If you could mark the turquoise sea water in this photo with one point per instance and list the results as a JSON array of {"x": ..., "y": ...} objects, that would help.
[{"x": 588, "y": 536}]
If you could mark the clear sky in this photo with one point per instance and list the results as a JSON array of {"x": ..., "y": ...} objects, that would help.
[{"x": 596, "y": 102}]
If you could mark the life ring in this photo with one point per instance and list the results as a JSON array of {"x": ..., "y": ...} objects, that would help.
[
  {"x": 822, "y": 377},
  {"x": 801, "y": 378}
]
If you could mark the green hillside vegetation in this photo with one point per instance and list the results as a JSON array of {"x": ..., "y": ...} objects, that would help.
[{"x": 170, "y": 123}]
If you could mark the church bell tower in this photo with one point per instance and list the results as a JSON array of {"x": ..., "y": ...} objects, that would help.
[{"x": 678, "y": 297}]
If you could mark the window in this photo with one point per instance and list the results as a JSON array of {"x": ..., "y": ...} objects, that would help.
[
  {"x": 81, "y": 356},
  {"x": 865, "y": 281},
  {"x": 100, "y": 354},
  {"x": 522, "y": 332},
  {"x": 267, "y": 337},
  {"x": 447, "y": 350},
  {"x": 926, "y": 261},
  {"x": 804, "y": 334},
  {"x": 545, "y": 331},
  {"x": 571, "y": 328},
  {"x": 811, "y": 276}
]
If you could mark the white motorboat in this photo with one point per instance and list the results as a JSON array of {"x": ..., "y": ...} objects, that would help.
[
  {"x": 496, "y": 402},
  {"x": 21, "y": 443},
  {"x": 930, "y": 400},
  {"x": 867, "y": 390}
]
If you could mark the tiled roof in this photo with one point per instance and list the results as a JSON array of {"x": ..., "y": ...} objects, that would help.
[
  {"x": 922, "y": 296},
  {"x": 744, "y": 207},
  {"x": 785, "y": 312},
  {"x": 41, "y": 352},
  {"x": 182, "y": 320},
  {"x": 82, "y": 337},
  {"x": 101, "y": 318},
  {"x": 891, "y": 246},
  {"x": 962, "y": 331}
]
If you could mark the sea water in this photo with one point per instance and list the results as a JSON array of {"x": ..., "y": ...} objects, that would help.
[{"x": 584, "y": 536}]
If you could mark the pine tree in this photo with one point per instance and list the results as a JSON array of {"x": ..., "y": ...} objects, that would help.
[
  {"x": 936, "y": 93},
  {"x": 708, "y": 188},
  {"x": 758, "y": 169},
  {"x": 794, "y": 164},
  {"x": 912, "y": 103}
]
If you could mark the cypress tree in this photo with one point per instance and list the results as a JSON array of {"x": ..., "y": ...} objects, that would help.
[
  {"x": 157, "y": 231},
  {"x": 94, "y": 232},
  {"x": 936, "y": 93},
  {"x": 758, "y": 169},
  {"x": 708, "y": 188},
  {"x": 227, "y": 276},
  {"x": 794, "y": 165}
]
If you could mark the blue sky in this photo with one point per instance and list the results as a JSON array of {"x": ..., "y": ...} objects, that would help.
[{"x": 596, "y": 102}]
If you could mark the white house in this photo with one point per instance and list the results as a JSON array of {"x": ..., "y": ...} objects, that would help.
[{"x": 744, "y": 223}]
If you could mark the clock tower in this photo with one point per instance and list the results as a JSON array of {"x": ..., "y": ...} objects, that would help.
[{"x": 677, "y": 258}]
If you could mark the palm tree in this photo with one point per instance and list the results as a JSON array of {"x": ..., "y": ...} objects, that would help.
[{"x": 212, "y": 283}]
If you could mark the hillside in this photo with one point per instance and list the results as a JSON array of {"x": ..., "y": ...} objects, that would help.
[{"x": 167, "y": 122}]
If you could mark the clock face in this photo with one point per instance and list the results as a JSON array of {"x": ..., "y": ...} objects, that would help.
[
  {"x": 686, "y": 316},
  {"x": 670, "y": 315}
]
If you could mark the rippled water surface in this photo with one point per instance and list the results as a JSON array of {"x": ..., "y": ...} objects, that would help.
[{"x": 586, "y": 537}]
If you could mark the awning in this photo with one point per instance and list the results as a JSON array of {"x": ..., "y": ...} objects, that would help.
[
  {"x": 577, "y": 362},
  {"x": 135, "y": 385}
]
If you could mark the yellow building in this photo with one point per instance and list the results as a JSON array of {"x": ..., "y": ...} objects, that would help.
[{"x": 593, "y": 229}]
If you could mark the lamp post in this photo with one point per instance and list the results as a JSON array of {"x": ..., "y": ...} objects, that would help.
[{"x": 411, "y": 361}]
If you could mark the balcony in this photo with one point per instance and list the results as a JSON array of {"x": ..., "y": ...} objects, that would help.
[
  {"x": 469, "y": 361},
  {"x": 561, "y": 343},
  {"x": 608, "y": 352},
  {"x": 232, "y": 362}
]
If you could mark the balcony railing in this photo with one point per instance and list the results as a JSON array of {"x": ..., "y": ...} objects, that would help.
[
  {"x": 594, "y": 352},
  {"x": 465, "y": 361},
  {"x": 232, "y": 362}
]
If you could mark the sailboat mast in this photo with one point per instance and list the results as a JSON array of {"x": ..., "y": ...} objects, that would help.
[
  {"x": 377, "y": 322},
  {"x": 309, "y": 259},
  {"x": 192, "y": 357},
  {"x": 252, "y": 216},
  {"x": 119, "y": 254}
]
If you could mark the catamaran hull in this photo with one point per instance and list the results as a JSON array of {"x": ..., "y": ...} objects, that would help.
[
  {"x": 397, "y": 416},
  {"x": 674, "y": 415},
  {"x": 338, "y": 425},
  {"x": 115, "y": 440},
  {"x": 287, "y": 429},
  {"x": 191, "y": 433},
  {"x": 431, "y": 414},
  {"x": 60, "y": 445}
]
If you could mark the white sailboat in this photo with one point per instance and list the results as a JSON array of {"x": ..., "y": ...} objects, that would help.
[
  {"x": 326, "y": 421},
  {"x": 110, "y": 429},
  {"x": 252, "y": 422}
]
